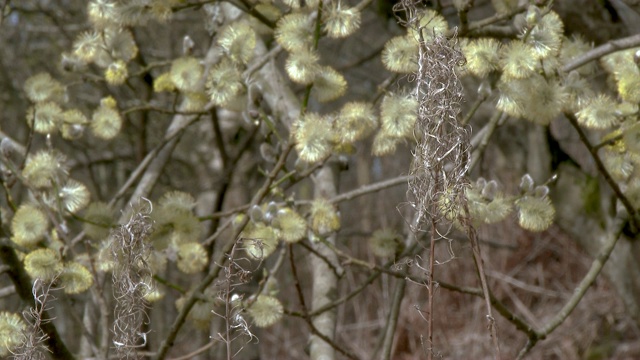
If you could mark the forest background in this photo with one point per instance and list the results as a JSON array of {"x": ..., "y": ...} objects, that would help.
[{"x": 251, "y": 179}]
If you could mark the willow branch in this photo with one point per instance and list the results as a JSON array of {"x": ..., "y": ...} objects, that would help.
[
  {"x": 602, "y": 50},
  {"x": 497, "y": 118},
  {"x": 349, "y": 195},
  {"x": 473, "y": 26},
  {"x": 477, "y": 257},
  {"x": 392, "y": 318},
  {"x": 367, "y": 189},
  {"x": 580, "y": 290},
  {"x": 631, "y": 210},
  {"x": 398, "y": 295}
]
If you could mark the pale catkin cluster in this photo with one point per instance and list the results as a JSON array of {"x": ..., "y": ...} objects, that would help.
[
  {"x": 177, "y": 232},
  {"x": 385, "y": 243},
  {"x": 535, "y": 210},
  {"x": 269, "y": 224},
  {"x": 106, "y": 121},
  {"x": 295, "y": 33},
  {"x": 266, "y": 310},
  {"x": 130, "y": 247},
  {"x": 11, "y": 328},
  {"x": 486, "y": 203}
]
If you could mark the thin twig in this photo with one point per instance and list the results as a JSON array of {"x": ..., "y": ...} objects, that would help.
[
  {"x": 349, "y": 195},
  {"x": 497, "y": 118},
  {"x": 392, "y": 318},
  {"x": 367, "y": 189},
  {"x": 631, "y": 210},
  {"x": 490, "y": 20},
  {"x": 196, "y": 352},
  {"x": 602, "y": 50},
  {"x": 398, "y": 295},
  {"x": 474, "y": 107},
  {"x": 431, "y": 286},
  {"x": 477, "y": 257}
]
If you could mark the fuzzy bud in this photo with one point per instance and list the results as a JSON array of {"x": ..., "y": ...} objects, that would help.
[
  {"x": 187, "y": 45},
  {"x": 490, "y": 190},
  {"x": 526, "y": 184},
  {"x": 541, "y": 191},
  {"x": 481, "y": 183},
  {"x": 255, "y": 214}
]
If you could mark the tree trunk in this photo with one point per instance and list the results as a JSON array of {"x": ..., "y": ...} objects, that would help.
[{"x": 325, "y": 280}]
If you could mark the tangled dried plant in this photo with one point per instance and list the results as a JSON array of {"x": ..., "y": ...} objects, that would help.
[
  {"x": 236, "y": 326},
  {"x": 33, "y": 347},
  {"x": 131, "y": 280},
  {"x": 441, "y": 157}
]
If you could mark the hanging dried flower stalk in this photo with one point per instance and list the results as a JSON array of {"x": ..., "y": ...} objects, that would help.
[{"x": 441, "y": 157}]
